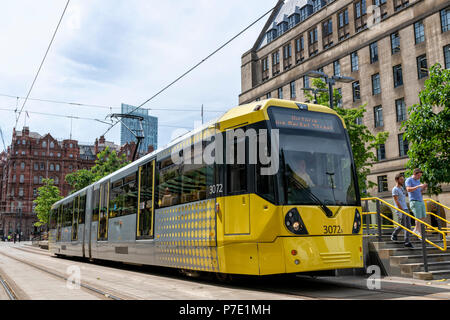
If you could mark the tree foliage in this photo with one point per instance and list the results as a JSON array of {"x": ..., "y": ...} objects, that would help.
[
  {"x": 107, "y": 162},
  {"x": 363, "y": 142},
  {"x": 428, "y": 130},
  {"x": 48, "y": 195}
]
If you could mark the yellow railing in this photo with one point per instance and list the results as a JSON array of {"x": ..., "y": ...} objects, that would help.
[
  {"x": 435, "y": 215},
  {"x": 444, "y": 239}
]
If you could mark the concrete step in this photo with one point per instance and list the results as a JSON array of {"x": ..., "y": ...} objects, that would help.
[
  {"x": 438, "y": 257},
  {"x": 388, "y": 253},
  {"x": 386, "y": 238},
  {"x": 432, "y": 275},
  {"x": 409, "y": 268},
  {"x": 397, "y": 244}
]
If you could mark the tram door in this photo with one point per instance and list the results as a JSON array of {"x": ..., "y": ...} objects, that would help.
[{"x": 146, "y": 210}]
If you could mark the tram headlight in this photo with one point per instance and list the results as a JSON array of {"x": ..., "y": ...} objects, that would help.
[
  {"x": 294, "y": 222},
  {"x": 357, "y": 222}
]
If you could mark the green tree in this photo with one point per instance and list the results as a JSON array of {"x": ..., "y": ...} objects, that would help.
[
  {"x": 107, "y": 162},
  {"x": 363, "y": 142},
  {"x": 48, "y": 195},
  {"x": 428, "y": 130}
]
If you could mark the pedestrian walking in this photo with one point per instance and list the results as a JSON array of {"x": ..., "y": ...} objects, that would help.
[
  {"x": 15, "y": 237},
  {"x": 399, "y": 195},
  {"x": 415, "y": 189}
]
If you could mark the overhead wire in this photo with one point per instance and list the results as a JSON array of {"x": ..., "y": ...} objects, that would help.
[
  {"x": 42, "y": 62},
  {"x": 196, "y": 66}
]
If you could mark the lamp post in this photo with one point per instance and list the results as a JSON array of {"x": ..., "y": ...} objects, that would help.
[
  {"x": 315, "y": 92},
  {"x": 330, "y": 81}
]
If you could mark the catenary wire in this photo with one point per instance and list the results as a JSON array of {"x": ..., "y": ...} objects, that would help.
[{"x": 42, "y": 62}]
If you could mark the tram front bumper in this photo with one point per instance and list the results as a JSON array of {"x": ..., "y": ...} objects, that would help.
[{"x": 304, "y": 254}]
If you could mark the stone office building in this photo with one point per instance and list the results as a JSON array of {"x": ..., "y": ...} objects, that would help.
[{"x": 385, "y": 45}]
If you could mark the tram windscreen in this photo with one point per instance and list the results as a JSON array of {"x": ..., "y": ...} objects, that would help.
[{"x": 315, "y": 157}]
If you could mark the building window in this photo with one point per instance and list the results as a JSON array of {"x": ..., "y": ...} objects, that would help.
[
  {"x": 343, "y": 27},
  {"x": 356, "y": 91},
  {"x": 382, "y": 184},
  {"x": 265, "y": 68},
  {"x": 22, "y": 166},
  {"x": 339, "y": 102},
  {"x": 376, "y": 87},
  {"x": 35, "y": 180},
  {"x": 419, "y": 32},
  {"x": 422, "y": 67},
  {"x": 354, "y": 61},
  {"x": 271, "y": 35},
  {"x": 280, "y": 93},
  {"x": 14, "y": 179},
  {"x": 57, "y": 167},
  {"x": 52, "y": 167},
  {"x": 20, "y": 192},
  {"x": 59, "y": 155},
  {"x": 299, "y": 50},
  {"x": 395, "y": 42},
  {"x": 337, "y": 68},
  {"x": 381, "y": 152},
  {"x": 318, "y": 4},
  {"x": 56, "y": 180},
  {"x": 293, "y": 93},
  {"x": 44, "y": 144},
  {"x": 306, "y": 82},
  {"x": 275, "y": 63},
  {"x": 36, "y": 166},
  {"x": 313, "y": 42},
  {"x": 445, "y": 19},
  {"x": 52, "y": 145},
  {"x": 22, "y": 178},
  {"x": 373, "y": 52},
  {"x": 360, "y": 15},
  {"x": 400, "y": 4},
  {"x": 400, "y": 108},
  {"x": 327, "y": 33},
  {"x": 269, "y": 95},
  {"x": 398, "y": 76},
  {"x": 403, "y": 145},
  {"x": 378, "y": 116},
  {"x": 447, "y": 56},
  {"x": 287, "y": 55},
  {"x": 293, "y": 20},
  {"x": 42, "y": 166},
  {"x": 41, "y": 179}
]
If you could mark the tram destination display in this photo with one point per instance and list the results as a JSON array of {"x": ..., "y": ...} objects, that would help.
[{"x": 305, "y": 120}]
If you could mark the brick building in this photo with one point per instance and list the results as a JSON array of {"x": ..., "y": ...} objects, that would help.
[
  {"x": 388, "y": 60},
  {"x": 32, "y": 158}
]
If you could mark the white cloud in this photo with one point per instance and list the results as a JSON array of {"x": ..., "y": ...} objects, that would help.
[{"x": 108, "y": 52}]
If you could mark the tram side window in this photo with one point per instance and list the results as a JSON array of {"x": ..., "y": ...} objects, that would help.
[
  {"x": 82, "y": 210},
  {"x": 68, "y": 208},
  {"x": 236, "y": 170},
  {"x": 75, "y": 219},
  {"x": 123, "y": 197},
  {"x": 146, "y": 201},
  {"x": 265, "y": 184},
  {"x": 96, "y": 206},
  {"x": 186, "y": 182}
]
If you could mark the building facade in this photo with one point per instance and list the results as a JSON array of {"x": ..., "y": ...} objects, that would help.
[
  {"x": 385, "y": 45},
  {"x": 149, "y": 124},
  {"x": 29, "y": 160}
]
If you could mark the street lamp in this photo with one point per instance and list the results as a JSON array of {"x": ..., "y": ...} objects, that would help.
[
  {"x": 330, "y": 81},
  {"x": 315, "y": 92}
]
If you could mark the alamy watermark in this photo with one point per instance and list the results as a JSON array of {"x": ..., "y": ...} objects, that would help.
[
  {"x": 73, "y": 281},
  {"x": 374, "y": 281},
  {"x": 235, "y": 150}
]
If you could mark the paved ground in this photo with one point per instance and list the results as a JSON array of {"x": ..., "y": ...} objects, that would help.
[{"x": 132, "y": 282}]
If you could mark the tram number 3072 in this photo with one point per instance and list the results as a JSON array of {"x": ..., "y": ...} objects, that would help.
[
  {"x": 332, "y": 230},
  {"x": 216, "y": 188}
]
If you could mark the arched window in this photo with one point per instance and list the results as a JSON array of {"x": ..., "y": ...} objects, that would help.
[
  {"x": 57, "y": 167},
  {"x": 44, "y": 144},
  {"x": 22, "y": 166},
  {"x": 52, "y": 145},
  {"x": 52, "y": 167}
]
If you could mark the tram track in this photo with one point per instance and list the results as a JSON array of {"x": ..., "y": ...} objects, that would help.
[
  {"x": 102, "y": 293},
  {"x": 291, "y": 286},
  {"x": 7, "y": 288}
]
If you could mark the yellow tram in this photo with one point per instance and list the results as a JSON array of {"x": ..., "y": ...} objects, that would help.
[{"x": 268, "y": 188}]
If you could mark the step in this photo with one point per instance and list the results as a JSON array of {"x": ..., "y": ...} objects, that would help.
[
  {"x": 397, "y": 244},
  {"x": 409, "y": 268},
  {"x": 387, "y": 253},
  {"x": 386, "y": 238},
  {"x": 432, "y": 275},
  {"x": 437, "y": 257}
]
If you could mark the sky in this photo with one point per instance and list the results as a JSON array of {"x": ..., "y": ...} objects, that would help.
[{"x": 109, "y": 52}]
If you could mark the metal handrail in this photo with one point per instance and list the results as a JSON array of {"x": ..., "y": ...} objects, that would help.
[
  {"x": 444, "y": 239},
  {"x": 441, "y": 205}
]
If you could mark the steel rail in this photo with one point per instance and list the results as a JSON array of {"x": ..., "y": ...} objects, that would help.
[
  {"x": 8, "y": 290},
  {"x": 83, "y": 285}
]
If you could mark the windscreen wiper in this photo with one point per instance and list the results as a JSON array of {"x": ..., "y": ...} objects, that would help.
[{"x": 311, "y": 195}]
